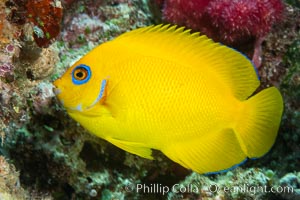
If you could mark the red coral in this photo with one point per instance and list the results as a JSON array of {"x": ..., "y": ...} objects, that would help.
[
  {"x": 46, "y": 15},
  {"x": 185, "y": 13},
  {"x": 2, "y": 16},
  {"x": 243, "y": 18},
  {"x": 233, "y": 22}
]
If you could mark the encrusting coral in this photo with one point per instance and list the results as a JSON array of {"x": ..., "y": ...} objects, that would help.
[
  {"x": 9, "y": 182},
  {"x": 45, "y": 16}
]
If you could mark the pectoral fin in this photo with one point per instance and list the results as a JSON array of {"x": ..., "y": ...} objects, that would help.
[{"x": 132, "y": 147}]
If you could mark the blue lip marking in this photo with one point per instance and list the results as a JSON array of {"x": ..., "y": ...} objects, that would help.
[
  {"x": 103, "y": 84},
  {"x": 101, "y": 93},
  {"x": 86, "y": 79}
]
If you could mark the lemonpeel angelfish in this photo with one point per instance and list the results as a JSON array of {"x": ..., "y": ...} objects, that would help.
[{"x": 161, "y": 87}]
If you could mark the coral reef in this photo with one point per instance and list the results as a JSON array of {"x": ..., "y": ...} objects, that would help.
[
  {"x": 236, "y": 23},
  {"x": 9, "y": 44},
  {"x": 239, "y": 184},
  {"x": 281, "y": 68},
  {"x": 45, "y": 16},
  {"x": 9, "y": 182},
  {"x": 294, "y": 3},
  {"x": 52, "y": 157},
  {"x": 38, "y": 63},
  {"x": 291, "y": 180}
]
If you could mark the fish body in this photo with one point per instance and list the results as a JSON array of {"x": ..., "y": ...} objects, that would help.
[{"x": 162, "y": 88}]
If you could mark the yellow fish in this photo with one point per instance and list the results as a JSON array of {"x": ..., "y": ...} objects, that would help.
[{"x": 161, "y": 87}]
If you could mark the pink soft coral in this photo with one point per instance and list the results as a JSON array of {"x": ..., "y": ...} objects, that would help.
[
  {"x": 237, "y": 23},
  {"x": 185, "y": 13}
]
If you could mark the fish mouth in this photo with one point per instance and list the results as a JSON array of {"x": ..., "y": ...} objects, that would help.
[
  {"x": 56, "y": 91},
  {"x": 80, "y": 107}
]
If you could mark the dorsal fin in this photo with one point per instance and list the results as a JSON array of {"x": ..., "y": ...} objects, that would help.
[{"x": 180, "y": 46}]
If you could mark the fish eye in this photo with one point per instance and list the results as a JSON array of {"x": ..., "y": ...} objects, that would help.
[{"x": 81, "y": 74}]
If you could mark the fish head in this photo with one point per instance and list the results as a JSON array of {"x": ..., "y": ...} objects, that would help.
[{"x": 79, "y": 89}]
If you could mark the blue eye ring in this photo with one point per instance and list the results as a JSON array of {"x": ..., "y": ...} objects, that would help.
[{"x": 81, "y": 74}]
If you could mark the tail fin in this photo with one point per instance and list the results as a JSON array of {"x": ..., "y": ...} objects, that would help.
[{"x": 259, "y": 122}]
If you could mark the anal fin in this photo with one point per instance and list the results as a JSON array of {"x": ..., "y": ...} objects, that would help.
[
  {"x": 132, "y": 147},
  {"x": 212, "y": 152}
]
